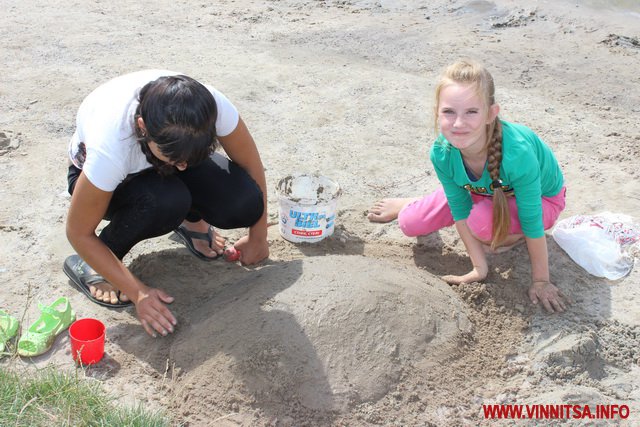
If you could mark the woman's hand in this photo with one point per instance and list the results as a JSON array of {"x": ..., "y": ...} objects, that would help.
[
  {"x": 241, "y": 148},
  {"x": 474, "y": 275},
  {"x": 252, "y": 251},
  {"x": 154, "y": 315},
  {"x": 551, "y": 297}
]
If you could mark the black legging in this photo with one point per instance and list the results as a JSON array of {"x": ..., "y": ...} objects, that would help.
[{"x": 147, "y": 205}]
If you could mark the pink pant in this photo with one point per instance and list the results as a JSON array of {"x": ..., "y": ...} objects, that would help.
[{"x": 431, "y": 213}]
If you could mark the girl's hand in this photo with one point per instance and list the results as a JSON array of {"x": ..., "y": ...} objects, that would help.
[
  {"x": 552, "y": 298},
  {"x": 474, "y": 275}
]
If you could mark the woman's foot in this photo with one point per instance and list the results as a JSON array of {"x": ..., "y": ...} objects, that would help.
[
  {"x": 92, "y": 284},
  {"x": 105, "y": 292},
  {"x": 387, "y": 210},
  {"x": 217, "y": 242}
]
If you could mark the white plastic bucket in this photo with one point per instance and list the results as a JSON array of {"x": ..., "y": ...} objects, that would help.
[{"x": 307, "y": 207}]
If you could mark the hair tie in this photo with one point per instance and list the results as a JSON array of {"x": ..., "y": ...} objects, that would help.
[{"x": 496, "y": 184}]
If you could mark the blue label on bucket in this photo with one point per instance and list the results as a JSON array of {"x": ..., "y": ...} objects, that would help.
[{"x": 306, "y": 219}]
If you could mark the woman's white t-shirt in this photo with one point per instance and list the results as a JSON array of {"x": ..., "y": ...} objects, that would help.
[{"x": 104, "y": 144}]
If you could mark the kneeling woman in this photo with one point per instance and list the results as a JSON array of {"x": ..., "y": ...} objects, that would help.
[{"x": 142, "y": 157}]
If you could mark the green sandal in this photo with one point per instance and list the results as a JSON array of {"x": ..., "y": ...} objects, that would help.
[
  {"x": 43, "y": 332},
  {"x": 8, "y": 328}
]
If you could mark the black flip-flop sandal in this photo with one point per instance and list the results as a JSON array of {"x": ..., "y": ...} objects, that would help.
[
  {"x": 184, "y": 236},
  {"x": 82, "y": 277}
]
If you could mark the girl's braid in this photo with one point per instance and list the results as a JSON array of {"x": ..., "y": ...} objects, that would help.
[
  {"x": 494, "y": 157},
  {"x": 501, "y": 217}
]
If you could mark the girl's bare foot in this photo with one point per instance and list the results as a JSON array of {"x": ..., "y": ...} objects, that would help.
[
  {"x": 510, "y": 242},
  {"x": 387, "y": 210}
]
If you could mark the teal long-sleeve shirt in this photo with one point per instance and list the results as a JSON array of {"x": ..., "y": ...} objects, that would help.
[{"x": 529, "y": 169}]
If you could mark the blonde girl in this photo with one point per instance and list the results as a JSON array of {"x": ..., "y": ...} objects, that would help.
[{"x": 500, "y": 182}]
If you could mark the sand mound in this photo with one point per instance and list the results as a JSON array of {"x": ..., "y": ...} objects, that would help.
[{"x": 312, "y": 336}]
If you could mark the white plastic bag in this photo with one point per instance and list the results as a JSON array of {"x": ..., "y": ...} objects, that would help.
[{"x": 604, "y": 244}]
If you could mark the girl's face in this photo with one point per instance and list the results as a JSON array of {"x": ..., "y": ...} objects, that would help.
[{"x": 463, "y": 117}]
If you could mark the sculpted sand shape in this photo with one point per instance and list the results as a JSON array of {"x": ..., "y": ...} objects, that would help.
[{"x": 325, "y": 333}]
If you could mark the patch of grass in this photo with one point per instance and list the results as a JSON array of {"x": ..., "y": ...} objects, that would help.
[{"x": 49, "y": 397}]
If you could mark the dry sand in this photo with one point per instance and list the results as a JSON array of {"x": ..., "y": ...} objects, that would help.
[{"x": 357, "y": 329}]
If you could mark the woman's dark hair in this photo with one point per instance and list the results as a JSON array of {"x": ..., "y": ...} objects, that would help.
[{"x": 179, "y": 115}]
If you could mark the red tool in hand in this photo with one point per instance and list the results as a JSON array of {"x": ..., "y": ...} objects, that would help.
[{"x": 231, "y": 254}]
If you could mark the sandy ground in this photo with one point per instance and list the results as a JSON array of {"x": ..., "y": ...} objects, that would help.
[{"x": 357, "y": 329}]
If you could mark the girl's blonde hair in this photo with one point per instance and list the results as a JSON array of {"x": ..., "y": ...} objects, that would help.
[{"x": 470, "y": 72}]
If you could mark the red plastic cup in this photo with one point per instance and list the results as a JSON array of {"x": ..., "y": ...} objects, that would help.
[{"x": 87, "y": 340}]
